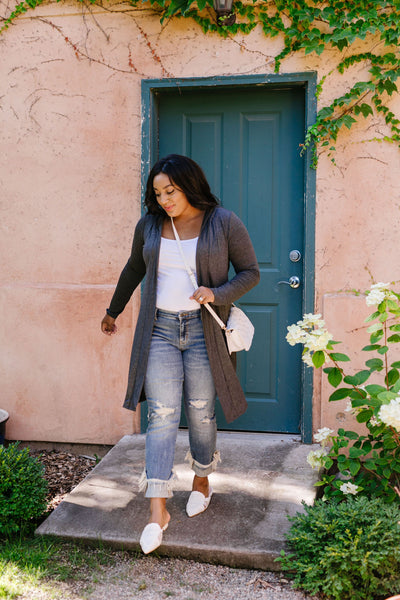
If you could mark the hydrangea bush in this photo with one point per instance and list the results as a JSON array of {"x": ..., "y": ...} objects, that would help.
[{"x": 368, "y": 464}]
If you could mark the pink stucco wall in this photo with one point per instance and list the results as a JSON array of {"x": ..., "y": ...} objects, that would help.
[{"x": 70, "y": 123}]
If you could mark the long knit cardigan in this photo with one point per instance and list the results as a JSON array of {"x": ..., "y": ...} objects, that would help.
[{"x": 223, "y": 239}]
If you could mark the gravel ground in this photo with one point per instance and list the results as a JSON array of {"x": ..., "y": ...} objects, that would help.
[
  {"x": 129, "y": 576},
  {"x": 154, "y": 578},
  {"x": 151, "y": 578}
]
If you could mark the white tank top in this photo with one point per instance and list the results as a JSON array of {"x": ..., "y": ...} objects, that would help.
[{"x": 174, "y": 287}]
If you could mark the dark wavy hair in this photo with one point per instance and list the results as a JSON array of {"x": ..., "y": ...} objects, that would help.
[{"x": 184, "y": 174}]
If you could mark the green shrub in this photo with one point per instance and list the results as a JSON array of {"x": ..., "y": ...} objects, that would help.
[
  {"x": 346, "y": 551},
  {"x": 23, "y": 489}
]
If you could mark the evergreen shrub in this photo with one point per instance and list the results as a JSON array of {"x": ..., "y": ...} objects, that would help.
[
  {"x": 23, "y": 490},
  {"x": 346, "y": 551}
]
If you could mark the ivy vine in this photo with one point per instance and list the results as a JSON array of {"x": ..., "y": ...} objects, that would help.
[{"x": 310, "y": 26}]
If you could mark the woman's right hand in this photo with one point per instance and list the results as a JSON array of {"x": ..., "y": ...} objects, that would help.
[{"x": 108, "y": 325}]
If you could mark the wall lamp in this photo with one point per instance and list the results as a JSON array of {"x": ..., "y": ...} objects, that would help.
[{"x": 223, "y": 9}]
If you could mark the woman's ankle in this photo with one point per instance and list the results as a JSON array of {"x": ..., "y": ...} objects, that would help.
[
  {"x": 201, "y": 484},
  {"x": 158, "y": 512}
]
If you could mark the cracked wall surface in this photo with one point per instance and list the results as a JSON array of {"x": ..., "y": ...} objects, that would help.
[{"x": 70, "y": 122}]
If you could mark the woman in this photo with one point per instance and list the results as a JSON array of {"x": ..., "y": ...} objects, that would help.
[{"x": 178, "y": 346}]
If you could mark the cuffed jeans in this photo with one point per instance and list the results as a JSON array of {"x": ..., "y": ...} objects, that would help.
[{"x": 178, "y": 363}]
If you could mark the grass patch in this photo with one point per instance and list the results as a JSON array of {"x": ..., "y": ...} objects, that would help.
[{"x": 28, "y": 563}]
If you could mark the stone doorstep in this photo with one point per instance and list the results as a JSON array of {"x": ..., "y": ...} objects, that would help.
[{"x": 263, "y": 479}]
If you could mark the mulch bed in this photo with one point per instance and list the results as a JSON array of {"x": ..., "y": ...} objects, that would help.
[{"x": 63, "y": 472}]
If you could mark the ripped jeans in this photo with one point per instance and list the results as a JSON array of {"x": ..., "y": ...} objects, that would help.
[{"x": 178, "y": 362}]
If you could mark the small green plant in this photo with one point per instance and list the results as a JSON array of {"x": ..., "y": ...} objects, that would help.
[
  {"x": 368, "y": 463},
  {"x": 23, "y": 489},
  {"x": 346, "y": 551}
]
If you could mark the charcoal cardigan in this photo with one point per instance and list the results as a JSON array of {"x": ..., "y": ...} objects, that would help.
[{"x": 223, "y": 239}]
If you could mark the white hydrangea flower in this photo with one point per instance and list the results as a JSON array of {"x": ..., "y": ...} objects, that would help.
[
  {"x": 374, "y": 298},
  {"x": 322, "y": 435},
  {"x": 295, "y": 335},
  {"x": 310, "y": 320},
  {"x": 349, "y": 488},
  {"x": 378, "y": 293},
  {"x": 374, "y": 421},
  {"x": 305, "y": 332},
  {"x": 307, "y": 358},
  {"x": 318, "y": 340},
  {"x": 380, "y": 286},
  {"x": 316, "y": 458},
  {"x": 390, "y": 413}
]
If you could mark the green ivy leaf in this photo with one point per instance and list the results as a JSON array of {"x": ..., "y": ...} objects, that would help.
[
  {"x": 372, "y": 317},
  {"x": 348, "y": 121},
  {"x": 371, "y": 347},
  {"x": 338, "y": 357},
  {"x": 335, "y": 377},
  {"x": 325, "y": 112},
  {"x": 394, "y": 339},
  {"x": 375, "y": 389},
  {"x": 376, "y": 336},
  {"x": 357, "y": 379},
  {"x": 318, "y": 358},
  {"x": 364, "y": 416},
  {"x": 375, "y": 364},
  {"x": 341, "y": 458},
  {"x": 366, "y": 447},
  {"x": 366, "y": 109},
  {"x": 354, "y": 467},
  {"x": 392, "y": 377},
  {"x": 371, "y": 465},
  {"x": 339, "y": 394},
  {"x": 352, "y": 435},
  {"x": 392, "y": 305},
  {"x": 328, "y": 463},
  {"x": 386, "y": 396}
]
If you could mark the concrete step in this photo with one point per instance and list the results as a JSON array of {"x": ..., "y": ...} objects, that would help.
[{"x": 262, "y": 479}]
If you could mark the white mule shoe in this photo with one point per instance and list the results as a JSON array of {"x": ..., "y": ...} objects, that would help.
[
  {"x": 151, "y": 537},
  {"x": 198, "y": 503}
]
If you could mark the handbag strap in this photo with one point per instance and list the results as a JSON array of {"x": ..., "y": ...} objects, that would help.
[{"x": 193, "y": 278}]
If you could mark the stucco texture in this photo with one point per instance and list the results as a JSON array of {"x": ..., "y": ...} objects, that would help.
[{"x": 70, "y": 121}]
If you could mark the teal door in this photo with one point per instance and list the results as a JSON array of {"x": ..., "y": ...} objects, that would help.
[{"x": 247, "y": 141}]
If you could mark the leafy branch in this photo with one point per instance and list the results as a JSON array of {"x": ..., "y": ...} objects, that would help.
[
  {"x": 309, "y": 27},
  {"x": 371, "y": 463}
]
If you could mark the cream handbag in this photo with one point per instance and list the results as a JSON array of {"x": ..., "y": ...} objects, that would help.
[{"x": 239, "y": 330}]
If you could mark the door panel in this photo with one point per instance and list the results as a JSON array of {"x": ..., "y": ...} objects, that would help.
[{"x": 247, "y": 142}]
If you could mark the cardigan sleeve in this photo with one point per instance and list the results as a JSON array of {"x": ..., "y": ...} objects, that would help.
[
  {"x": 131, "y": 275},
  {"x": 242, "y": 256}
]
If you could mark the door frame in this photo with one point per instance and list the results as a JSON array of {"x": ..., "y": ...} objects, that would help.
[{"x": 152, "y": 88}]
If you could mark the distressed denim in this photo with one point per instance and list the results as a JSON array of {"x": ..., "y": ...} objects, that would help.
[{"x": 178, "y": 365}]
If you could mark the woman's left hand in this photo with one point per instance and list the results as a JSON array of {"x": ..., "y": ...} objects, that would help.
[{"x": 202, "y": 295}]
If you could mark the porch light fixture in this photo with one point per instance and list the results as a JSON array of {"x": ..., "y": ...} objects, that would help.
[{"x": 223, "y": 9}]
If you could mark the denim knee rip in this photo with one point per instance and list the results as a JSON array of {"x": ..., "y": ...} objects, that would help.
[
  {"x": 201, "y": 405},
  {"x": 156, "y": 488},
  {"x": 160, "y": 411},
  {"x": 203, "y": 470}
]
